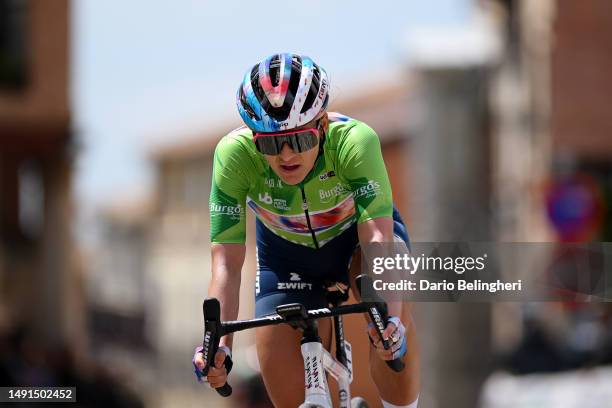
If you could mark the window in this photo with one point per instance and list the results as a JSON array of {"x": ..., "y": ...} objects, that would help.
[
  {"x": 13, "y": 44},
  {"x": 31, "y": 199}
]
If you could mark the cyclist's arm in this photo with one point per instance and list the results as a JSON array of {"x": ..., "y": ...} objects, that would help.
[
  {"x": 230, "y": 184},
  {"x": 375, "y": 230},
  {"x": 379, "y": 230},
  {"x": 227, "y": 261},
  {"x": 362, "y": 165}
]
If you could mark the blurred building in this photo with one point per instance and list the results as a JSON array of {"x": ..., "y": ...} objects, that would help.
[
  {"x": 552, "y": 182},
  {"x": 550, "y": 105},
  {"x": 553, "y": 119},
  {"x": 119, "y": 293},
  {"x": 40, "y": 286}
]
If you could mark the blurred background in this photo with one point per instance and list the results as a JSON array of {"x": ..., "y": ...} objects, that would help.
[{"x": 495, "y": 118}]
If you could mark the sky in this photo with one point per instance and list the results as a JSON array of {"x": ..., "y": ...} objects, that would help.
[{"x": 147, "y": 73}]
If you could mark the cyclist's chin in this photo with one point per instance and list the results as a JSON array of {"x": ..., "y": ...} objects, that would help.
[
  {"x": 291, "y": 176},
  {"x": 292, "y": 180}
]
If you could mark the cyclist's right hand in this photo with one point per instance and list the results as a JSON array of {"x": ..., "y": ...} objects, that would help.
[
  {"x": 395, "y": 332},
  {"x": 217, "y": 375}
]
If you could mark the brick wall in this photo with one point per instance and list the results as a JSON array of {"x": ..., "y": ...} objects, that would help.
[{"x": 582, "y": 78}]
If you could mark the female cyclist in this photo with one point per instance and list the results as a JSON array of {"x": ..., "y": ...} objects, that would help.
[{"x": 318, "y": 186}]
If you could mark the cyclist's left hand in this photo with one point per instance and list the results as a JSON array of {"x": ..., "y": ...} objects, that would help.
[
  {"x": 395, "y": 332},
  {"x": 217, "y": 374}
]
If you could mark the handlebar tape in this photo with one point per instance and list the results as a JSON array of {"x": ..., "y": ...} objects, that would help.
[{"x": 212, "y": 334}]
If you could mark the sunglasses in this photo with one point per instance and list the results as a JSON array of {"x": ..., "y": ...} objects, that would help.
[{"x": 299, "y": 141}]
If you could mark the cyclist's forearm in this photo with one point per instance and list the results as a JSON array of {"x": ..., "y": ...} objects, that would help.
[{"x": 227, "y": 261}]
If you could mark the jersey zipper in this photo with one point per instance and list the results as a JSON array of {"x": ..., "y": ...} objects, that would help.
[{"x": 305, "y": 208}]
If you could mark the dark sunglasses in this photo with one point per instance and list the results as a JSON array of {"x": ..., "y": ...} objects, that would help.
[{"x": 299, "y": 141}]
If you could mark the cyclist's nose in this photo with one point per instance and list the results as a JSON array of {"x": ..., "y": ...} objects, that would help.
[{"x": 286, "y": 152}]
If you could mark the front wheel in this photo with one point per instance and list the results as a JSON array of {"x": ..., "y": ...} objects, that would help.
[{"x": 358, "y": 402}]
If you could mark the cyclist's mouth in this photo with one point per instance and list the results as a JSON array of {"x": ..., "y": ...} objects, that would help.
[{"x": 289, "y": 168}]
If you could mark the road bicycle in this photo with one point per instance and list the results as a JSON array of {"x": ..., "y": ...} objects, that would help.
[{"x": 317, "y": 360}]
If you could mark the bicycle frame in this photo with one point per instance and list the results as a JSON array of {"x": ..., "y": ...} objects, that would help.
[
  {"x": 341, "y": 368},
  {"x": 317, "y": 360}
]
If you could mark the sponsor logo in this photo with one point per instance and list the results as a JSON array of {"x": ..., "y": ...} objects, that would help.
[
  {"x": 273, "y": 317},
  {"x": 273, "y": 183},
  {"x": 295, "y": 283},
  {"x": 319, "y": 311},
  {"x": 377, "y": 319},
  {"x": 322, "y": 89},
  {"x": 349, "y": 359},
  {"x": 327, "y": 175},
  {"x": 234, "y": 211},
  {"x": 312, "y": 373},
  {"x": 266, "y": 199},
  {"x": 308, "y": 373},
  {"x": 281, "y": 204},
  {"x": 343, "y": 395},
  {"x": 335, "y": 191},
  {"x": 372, "y": 189},
  {"x": 207, "y": 336}
]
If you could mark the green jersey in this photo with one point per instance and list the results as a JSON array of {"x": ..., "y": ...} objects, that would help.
[{"x": 348, "y": 184}]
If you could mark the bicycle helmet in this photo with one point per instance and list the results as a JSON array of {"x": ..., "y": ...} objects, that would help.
[{"x": 282, "y": 92}]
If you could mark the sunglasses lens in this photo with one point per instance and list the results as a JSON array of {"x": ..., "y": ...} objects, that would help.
[
  {"x": 299, "y": 142},
  {"x": 267, "y": 145},
  {"x": 305, "y": 140}
]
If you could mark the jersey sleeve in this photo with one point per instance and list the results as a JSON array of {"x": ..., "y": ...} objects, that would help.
[
  {"x": 230, "y": 185},
  {"x": 362, "y": 167}
]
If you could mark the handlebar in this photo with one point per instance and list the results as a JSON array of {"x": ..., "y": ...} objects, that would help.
[{"x": 214, "y": 328}]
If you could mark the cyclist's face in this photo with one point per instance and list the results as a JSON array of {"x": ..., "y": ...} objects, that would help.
[{"x": 292, "y": 167}]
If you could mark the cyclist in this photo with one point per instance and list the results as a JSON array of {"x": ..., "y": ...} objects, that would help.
[{"x": 318, "y": 186}]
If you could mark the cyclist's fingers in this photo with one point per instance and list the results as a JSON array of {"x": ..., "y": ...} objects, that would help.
[
  {"x": 217, "y": 377},
  {"x": 217, "y": 382},
  {"x": 396, "y": 336},
  {"x": 395, "y": 347},
  {"x": 384, "y": 354},
  {"x": 198, "y": 360},
  {"x": 389, "y": 330},
  {"x": 214, "y": 373},
  {"x": 373, "y": 336},
  {"x": 381, "y": 352},
  {"x": 219, "y": 358}
]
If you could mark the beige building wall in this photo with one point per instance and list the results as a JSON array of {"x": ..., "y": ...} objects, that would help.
[{"x": 180, "y": 251}]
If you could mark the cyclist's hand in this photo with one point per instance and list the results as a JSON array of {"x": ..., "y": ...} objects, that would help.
[
  {"x": 217, "y": 375},
  {"x": 395, "y": 333}
]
